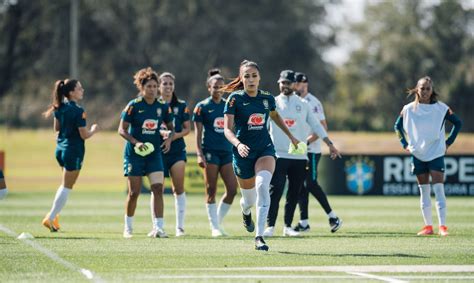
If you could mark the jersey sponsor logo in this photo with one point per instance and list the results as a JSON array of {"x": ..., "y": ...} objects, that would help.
[
  {"x": 290, "y": 123},
  {"x": 256, "y": 121},
  {"x": 219, "y": 125},
  {"x": 149, "y": 127}
]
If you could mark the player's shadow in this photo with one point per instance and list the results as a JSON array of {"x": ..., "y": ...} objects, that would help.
[
  {"x": 355, "y": 255},
  {"x": 68, "y": 238},
  {"x": 365, "y": 235}
]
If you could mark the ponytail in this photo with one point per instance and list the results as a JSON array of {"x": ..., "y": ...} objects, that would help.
[{"x": 60, "y": 91}]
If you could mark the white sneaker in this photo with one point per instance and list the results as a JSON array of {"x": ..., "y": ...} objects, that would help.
[
  {"x": 157, "y": 233},
  {"x": 269, "y": 231},
  {"x": 289, "y": 232},
  {"x": 127, "y": 234},
  {"x": 179, "y": 232},
  {"x": 216, "y": 233},
  {"x": 224, "y": 233}
]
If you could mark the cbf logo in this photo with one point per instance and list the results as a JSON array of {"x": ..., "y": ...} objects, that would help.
[
  {"x": 359, "y": 175},
  {"x": 265, "y": 103}
]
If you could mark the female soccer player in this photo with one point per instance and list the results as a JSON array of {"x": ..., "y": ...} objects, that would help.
[
  {"x": 214, "y": 152},
  {"x": 140, "y": 124},
  {"x": 175, "y": 160},
  {"x": 3, "y": 186},
  {"x": 247, "y": 110},
  {"x": 70, "y": 124},
  {"x": 422, "y": 123}
]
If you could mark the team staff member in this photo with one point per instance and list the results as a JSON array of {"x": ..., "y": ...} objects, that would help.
[
  {"x": 140, "y": 124},
  {"x": 214, "y": 152},
  {"x": 247, "y": 110},
  {"x": 297, "y": 115},
  {"x": 3, "y": 186},
  {"x": 175, "y": 160},
  {"x": 422, "y": 122},
  {"x": 314, "y": 155},
  {"x": 70, "y": 124}
]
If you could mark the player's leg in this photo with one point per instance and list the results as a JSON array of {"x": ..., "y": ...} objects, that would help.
[
  {"x": 264, "y": 168},
  {"x": 211, "y": 173},
  {"x": 3, "y": 186},
  {"x": 296, "y": 174},
  {"x": 277, "y": 186},
  {"x": 437, "y": 178},
  {"x": 157, "y": 204},
  {"x": 230, "y": 183},
  {"x": 177, "y": 177}
]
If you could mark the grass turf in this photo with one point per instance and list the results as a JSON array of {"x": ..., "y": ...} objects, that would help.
[{"x": 376, "y": 231}]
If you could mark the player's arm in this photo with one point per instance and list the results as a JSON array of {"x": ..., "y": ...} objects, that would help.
[
  {"x": 166, "y": 146},
  {"x": 457, "y": 124},
  {"x": 313, "y": 137},
  {"x": 319, "y": 130},
  {"x": 123, "y": 132},
  {"x": 184, "y": 132},
  {"x": 400, "y": 132},
  {"x": 56, "y": 125},
  {"x": 198, "y": 135},
  {"x": 243, "y": 149},
  {"x": 279, "y": 122},
  {"x": 86, "y": 133}
]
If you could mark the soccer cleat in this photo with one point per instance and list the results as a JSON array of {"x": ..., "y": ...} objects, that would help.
[
  {"x": 248, "y": 222},
  {"x": 179, "y": 232},
  {"x": 127, "y": 234},
  {"x": 302, "y": 229},
  {"x": 53, "y": 227},
  {"x": 260, "y": 244},
  {"x": 269, "y": 231},
  {"x": 158, "y": 233},
  {"x": 443, "y": 230},
  {"x": 427, "y": 230},
  {"x": 289, "y": 232},
  {"x": 216, "y": 233},
  {"x": 335, "y": 224}
]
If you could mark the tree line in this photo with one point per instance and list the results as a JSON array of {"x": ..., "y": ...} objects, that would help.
[{"x": 399, "y": 41}]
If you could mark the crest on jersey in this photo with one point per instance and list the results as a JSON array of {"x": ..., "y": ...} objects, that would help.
[
  {"x": 158, "y": 112},
  {"x": 359, "y": 175},
  {"x": 298, "y": 108},
  {"x": 175, "y": 110},
  {"x": 265, "y": 103}
]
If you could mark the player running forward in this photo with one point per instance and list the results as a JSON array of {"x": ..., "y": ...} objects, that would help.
[
  {"x": 247, "y": 111},
  {"x": 3, "y": 186},
  {"x": 175, "y": 159},
  {"x": 140, "y": 127},
  {"x": 214, "y": 152},
  {"x": 311, "y": 184},
  {"x": 70, "y": 125},
  {"x": 420, "y": 128},
  {"x": 297, "y": 116}
]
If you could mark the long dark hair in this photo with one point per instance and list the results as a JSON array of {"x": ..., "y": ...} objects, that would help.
[
  {"x": 174, "y": 98},
  {"x": 60, "y": 91},
  {"x": 414, "y": 91},
  {"x": 237, "y": 83}
]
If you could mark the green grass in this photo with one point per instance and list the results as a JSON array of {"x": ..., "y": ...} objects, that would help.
[{"x": 376, "y": 231}]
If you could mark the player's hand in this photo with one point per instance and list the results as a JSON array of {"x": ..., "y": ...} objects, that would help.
[
  {"x": 201, "y": 161},
  {"x": 166, "y": 146},
  {"x": 333, "y": 152},
  {"x": 95, "y": 128},
  {"x": 141, "y": 146},
  {"x": 243, "y": 150},
  {"x": 294, "y": 141}
]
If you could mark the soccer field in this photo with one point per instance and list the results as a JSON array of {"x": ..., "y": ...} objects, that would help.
[{"x": 376, "y": 243}]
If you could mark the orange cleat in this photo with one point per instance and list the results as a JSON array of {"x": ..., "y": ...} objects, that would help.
[
  {"x": 54, "y": 227},
  {"x": 427, "y": 230},
  {"x": 443, "y": 230}
]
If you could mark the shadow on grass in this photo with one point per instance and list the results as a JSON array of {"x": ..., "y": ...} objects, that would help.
[
  {"x": 68, "y": 238},
  {"x": 355, "y": 255}
]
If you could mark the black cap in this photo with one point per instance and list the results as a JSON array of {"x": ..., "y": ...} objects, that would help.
[
  {"x": 301, "y": 77},
  {"x": 287, "y": 75}
]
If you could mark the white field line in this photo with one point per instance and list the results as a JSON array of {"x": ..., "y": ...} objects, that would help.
[
  {"x": 349, "y": 268},
  {"x": 261, "y": 276},
  {"x": 85, "y": 272},
  {"x": 376, "y": 277}
]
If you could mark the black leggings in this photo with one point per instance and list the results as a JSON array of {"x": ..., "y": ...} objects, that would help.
[
  {"x": 311, "y": 186},
  {"x": 295, "y": 170}
]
